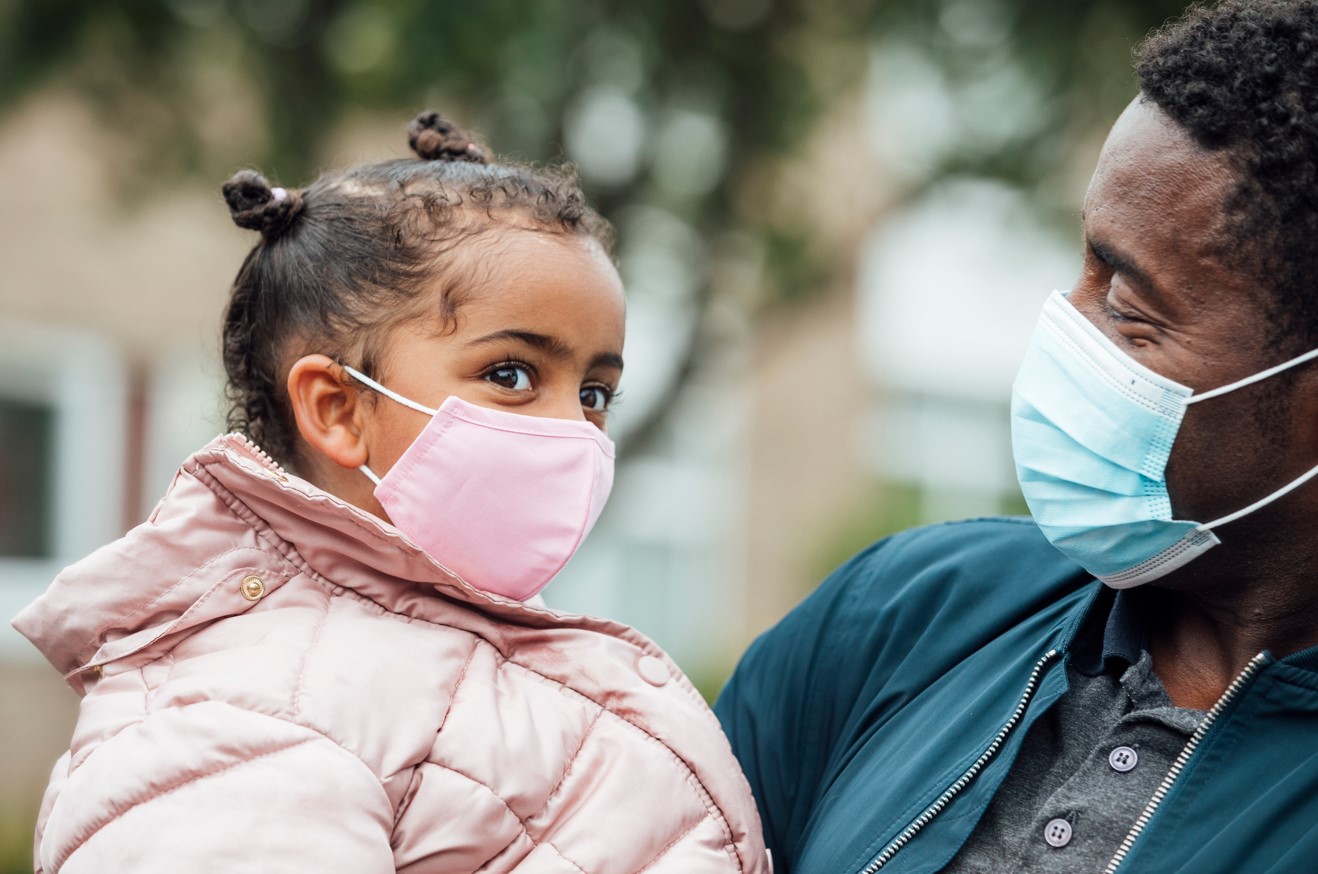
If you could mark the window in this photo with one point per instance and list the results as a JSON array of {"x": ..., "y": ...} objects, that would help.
[
  {"x": 27, "y": 435},
  {"x": 63, "y": 409}
]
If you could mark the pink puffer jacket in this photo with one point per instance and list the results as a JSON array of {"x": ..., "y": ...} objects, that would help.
[{"x": 274, "y": 681}]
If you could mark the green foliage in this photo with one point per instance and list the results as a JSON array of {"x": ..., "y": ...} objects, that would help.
[
  {"x": 204, "y": 85},
  {"x": 889, "y": 508},
  {"x": 1028, "y": 80},
  {"x": 517, "y": 66},
  {"x": 709, "y": 679},
  {"x": 16, "y": 841},
  {"x": 201, "y": 87},
  {"x": 713, "y": 88}
]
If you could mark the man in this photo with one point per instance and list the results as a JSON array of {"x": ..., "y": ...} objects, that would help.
[{"x": 967, "y": 697}]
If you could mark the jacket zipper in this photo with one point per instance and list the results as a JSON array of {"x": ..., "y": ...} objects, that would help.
[
  {"x": 259, "y": 455},
  {"x": 964, "y": 780},
  {"x": 1183, "y": 759}
]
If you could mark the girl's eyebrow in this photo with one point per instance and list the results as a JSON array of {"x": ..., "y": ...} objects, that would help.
[{"x": 551, "y": 346}]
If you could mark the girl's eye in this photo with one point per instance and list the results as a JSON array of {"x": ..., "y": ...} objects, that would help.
[
  {"x": 596, "y": 397},
  {"x": 514, "y": 377}
]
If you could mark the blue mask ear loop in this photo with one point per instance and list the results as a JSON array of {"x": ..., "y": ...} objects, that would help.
[
  {"x": 1250, "y": 380},
  {"x": 1258, "y": 505},
  {"x": 392, "y": 395},
  {"x": 1230, "y": 387}
]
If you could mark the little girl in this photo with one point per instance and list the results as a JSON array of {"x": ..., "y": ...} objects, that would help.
[{"x": 317, "y": 654}]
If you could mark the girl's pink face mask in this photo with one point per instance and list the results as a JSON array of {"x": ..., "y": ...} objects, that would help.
[{"x": 501, "y": 499}]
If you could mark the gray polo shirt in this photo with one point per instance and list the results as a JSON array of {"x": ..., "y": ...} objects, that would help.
[{"x": 1089, "y": 765}]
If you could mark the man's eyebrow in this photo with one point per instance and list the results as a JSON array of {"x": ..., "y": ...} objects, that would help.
[
  {"x": 1122, "y": 264},
  {"x": 551, "y": 346}
]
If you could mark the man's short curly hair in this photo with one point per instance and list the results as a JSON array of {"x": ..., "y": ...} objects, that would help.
[{"x": 1242, "y": 76}]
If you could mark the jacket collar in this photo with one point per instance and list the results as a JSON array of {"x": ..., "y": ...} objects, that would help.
[{"x": 230, "y": 513}]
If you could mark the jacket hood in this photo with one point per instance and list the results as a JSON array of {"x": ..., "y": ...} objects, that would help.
[{"x": 228, "y": 505}]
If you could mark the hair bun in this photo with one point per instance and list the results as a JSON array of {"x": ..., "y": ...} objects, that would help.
[
  {"x": 434, "y": 138},
  {"x": 255, "y": 205}
]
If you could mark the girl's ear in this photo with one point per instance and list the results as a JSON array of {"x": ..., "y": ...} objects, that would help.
[{"x": 327, "y": 411}]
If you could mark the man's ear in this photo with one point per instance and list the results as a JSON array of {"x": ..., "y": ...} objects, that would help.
[{"x": 328, "y": 410}]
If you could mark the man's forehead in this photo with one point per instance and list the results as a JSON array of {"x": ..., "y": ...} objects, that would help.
[
  {"x": 1148, "y": 155},
  {"x": 1152, "y": 172},
  {"x": 1156, "y": 206}
]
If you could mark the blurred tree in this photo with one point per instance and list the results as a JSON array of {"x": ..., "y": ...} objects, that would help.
[
  {"x": 1018, "y": 82},
  {"x": 672, "y": 108}
]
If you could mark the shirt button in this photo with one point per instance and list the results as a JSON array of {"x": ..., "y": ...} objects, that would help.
[
  {"x": 1123, "y": 759},
  {"x": 1057, "y": 833},
  {"x": 652, "y": 670}
]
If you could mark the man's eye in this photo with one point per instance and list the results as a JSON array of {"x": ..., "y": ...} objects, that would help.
[
  {"x": 1118, "y": 312},
  {"x": 596, "y": 397},
  {"x": 514, "y": 377},
  {"x": 1115, "y": 314}
]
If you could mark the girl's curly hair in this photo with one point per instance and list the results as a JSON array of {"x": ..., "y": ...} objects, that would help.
[{"x": 342, "y": 261}]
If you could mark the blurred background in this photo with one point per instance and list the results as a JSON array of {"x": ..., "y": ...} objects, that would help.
[{"x": 837, "y": 221}]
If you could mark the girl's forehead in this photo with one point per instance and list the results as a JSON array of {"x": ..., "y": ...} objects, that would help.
[{"x": 539, "y": 279}]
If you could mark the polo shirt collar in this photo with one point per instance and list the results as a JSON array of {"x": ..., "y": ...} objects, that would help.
[{"x": 1113, "y": 635}]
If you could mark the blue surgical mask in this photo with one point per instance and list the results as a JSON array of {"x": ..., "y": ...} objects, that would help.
[{"x": 1091, "y": 431}]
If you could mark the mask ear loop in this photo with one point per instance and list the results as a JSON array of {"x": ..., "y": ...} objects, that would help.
[
  {"x": 1258, "y": 505},
  {"x": 392, "y": 395},
  {"x": 1230, "y": 387},
  {"x": 370, "y": 474},
  {"x": 1250, "y": 380}
]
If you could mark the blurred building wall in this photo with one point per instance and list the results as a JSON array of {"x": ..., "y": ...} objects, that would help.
[{"x": 108, "y": 313}]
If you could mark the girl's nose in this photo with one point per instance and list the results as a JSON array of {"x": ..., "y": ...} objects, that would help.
[{"x": 562, "y": 404}]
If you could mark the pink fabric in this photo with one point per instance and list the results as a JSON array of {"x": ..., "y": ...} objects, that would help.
[
  {"x": 275, "y": 681},
  {"x": 501, "y": 499}
]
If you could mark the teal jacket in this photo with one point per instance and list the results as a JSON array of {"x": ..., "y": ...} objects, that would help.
[{"x": 877, "y": 720}]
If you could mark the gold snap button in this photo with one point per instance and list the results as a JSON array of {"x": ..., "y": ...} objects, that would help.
[{"x": 252, "y": 587}]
